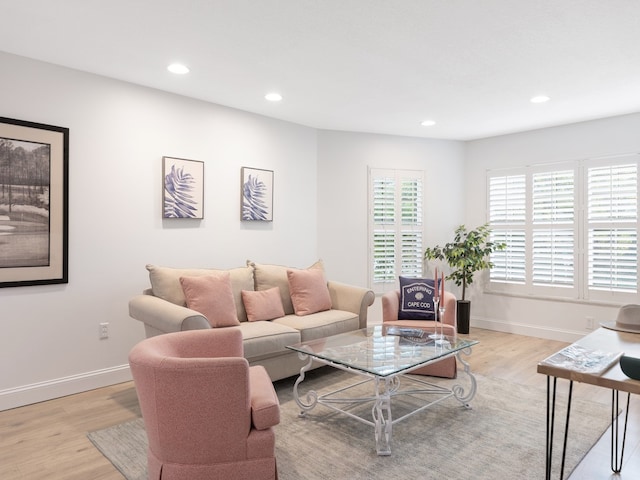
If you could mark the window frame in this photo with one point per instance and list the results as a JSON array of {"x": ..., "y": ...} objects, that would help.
[
  {"x": 416, "y": 265},
  {"x": 579, "y": 290}
]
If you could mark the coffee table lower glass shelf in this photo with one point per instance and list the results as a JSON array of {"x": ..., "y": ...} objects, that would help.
[{"x": 383, "y": 355}]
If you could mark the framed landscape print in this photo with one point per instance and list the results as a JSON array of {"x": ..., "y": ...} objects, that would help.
[
  {"x": 183, "y": 188},
  {"x": 256, "y": 195},
  {"x": 34, "y": 197}
]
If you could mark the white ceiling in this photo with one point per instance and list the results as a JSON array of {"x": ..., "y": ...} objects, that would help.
[{"x": 379, "y": 66}]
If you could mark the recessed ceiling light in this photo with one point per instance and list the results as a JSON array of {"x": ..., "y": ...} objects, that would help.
[
  {"x": 428, "y": 123},
  {"x": 178, "y": 68},
  {"x": 540, "y": 99},
  {"x": 273, "y": 97}
]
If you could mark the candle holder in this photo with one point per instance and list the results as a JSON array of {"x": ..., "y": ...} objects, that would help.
[
  {"x": 437, "y": 310},
  {"x": 441, "y": 339}
]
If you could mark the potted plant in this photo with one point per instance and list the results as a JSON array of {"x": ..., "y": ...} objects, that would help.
[{"x": 468, "y": 253}]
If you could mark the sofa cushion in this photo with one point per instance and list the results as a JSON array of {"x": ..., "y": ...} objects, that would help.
[
  {"x": 211, "y": 295},
  {"x": 165, "y": 283},
  {"x": 263, "y": 304},
  {"x": 261, "y": 339},
  {"x": 416, "y": 299},
  {"x": 268, "y": 276},
  {"x": 309, "y": 292},
  {"x": 321, "y": 324}
]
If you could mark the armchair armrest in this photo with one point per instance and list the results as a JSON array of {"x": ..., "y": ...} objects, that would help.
[
  {"x": 351, "y": 299},
  {"x": 161, "y": 316},
  {"x": 265, "y": 408}
]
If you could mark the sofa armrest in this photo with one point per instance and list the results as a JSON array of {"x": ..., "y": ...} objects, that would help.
[
  {"x": 161, "y": 316},
  {"x": 265, "y": 407},
  {"x": 351, "y": 299}
]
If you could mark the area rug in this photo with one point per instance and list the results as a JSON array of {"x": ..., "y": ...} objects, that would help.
[{"x": 501, "y": 436}]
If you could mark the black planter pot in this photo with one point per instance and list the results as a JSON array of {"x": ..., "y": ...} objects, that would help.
[{"x": 463, "y": 315}]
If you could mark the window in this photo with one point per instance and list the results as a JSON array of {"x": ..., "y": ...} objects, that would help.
[
  {"x": 612, "y": 224},
  {"x": 395, "y": 226},
  {"x": 570, "y": 229}
]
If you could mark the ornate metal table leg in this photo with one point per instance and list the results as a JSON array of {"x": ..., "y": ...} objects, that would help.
[
  {"x": 311, "y": 399},
  {"x": 381, "y": 413},
  {"x": 459, "y": 390}
]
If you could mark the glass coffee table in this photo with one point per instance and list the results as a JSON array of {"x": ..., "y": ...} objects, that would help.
[{"x": 383, "y": 355}]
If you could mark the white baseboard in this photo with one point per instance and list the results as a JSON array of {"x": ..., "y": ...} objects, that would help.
[
  {"x": 569, "y": 336},
  {"x": 61, "y": 387}
]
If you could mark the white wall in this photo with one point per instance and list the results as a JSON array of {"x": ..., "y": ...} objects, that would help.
[
  {"x": 343, "y": 159},
  {"x": 534, "y": 316},
  {"x": 49, "y": 343}
]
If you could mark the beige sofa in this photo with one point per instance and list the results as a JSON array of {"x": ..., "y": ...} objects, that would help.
[{"x": 163, "y": 309}]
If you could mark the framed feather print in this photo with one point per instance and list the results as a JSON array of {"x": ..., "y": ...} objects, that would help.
[
  {"x": 183, "y": 188},
  {"x": 257, "y": 195}
]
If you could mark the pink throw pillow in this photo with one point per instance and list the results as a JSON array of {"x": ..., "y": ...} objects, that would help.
[
  {"x": 309, "y": 292},
  {"x": 263, "y": 304},
  {"x": 212, "y": 296}
]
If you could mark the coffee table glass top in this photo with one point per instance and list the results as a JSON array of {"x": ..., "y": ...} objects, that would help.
[{"x": 382, "y": 350}]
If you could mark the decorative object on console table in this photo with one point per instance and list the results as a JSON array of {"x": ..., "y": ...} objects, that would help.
[
  {"x": 256, "y": 195},
  {"x": 183, "y": 188},
  {"x": 582, "y": 359},
  {"x": 34, "y": 207},
  {"x": 468, "y": 253}
]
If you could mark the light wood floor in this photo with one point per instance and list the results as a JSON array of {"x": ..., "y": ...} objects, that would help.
[{"x": 48, "y": 440}]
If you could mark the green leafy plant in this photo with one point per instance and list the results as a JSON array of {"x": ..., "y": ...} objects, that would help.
[{"x": 468, "y": 253}]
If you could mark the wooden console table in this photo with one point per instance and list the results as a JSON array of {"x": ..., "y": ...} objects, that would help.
[{"x": 613, "y": 378}]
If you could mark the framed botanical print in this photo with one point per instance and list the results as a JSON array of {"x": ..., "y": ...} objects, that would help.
[
  {"x": 256, "y": 195},
  {"x": 183, "y": 188}
]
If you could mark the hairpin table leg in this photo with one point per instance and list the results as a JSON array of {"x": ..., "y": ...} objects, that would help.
[
  {"x": 616, "y": 463},
  {"x": 551, "y": 411}
]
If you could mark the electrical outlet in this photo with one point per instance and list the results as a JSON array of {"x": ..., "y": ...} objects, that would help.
[
  {"x": 590, "y": 323},
  {"x": 104, "y": 330}
]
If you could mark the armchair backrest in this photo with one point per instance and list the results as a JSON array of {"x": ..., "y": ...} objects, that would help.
[{"x": 193, "y": 389}]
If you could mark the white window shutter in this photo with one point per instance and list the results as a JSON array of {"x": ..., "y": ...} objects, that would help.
[
  {"x": 571, "y": 230},
  {"x": 396, "y": 226},
  {"x": 612, "y": 208}
]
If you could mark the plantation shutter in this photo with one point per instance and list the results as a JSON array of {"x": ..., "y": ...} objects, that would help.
[
  {"x": 553, "y": 228},
  {"x": 384, "y": 236},
  {"x": 612, "y": 218},
  {"x": 395, "y": 225},
  {"x": 571, "y": 229},
  {"x": 507, "y": 215}
]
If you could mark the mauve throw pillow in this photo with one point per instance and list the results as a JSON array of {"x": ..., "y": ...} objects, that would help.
[
  {"x": 416, "y": 299},
  {"x": 212, "y": 296},
  {"x": 309, "y": 292},
  {"x": 263, "y": 304}
]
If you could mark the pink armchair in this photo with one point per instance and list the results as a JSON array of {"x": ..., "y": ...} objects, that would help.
[
  {"x": 446, "y": 368},
  {"x": 207, "y": 414}
]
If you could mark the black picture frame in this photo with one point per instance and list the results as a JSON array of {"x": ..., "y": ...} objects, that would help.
[{"x": 34, "y": 203}]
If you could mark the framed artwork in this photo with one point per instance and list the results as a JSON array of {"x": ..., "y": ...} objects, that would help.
[
  {"x": 183, "y": 188},
  {"x": 257, "y": 195},
  {"x": 34, "y": 203}
]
